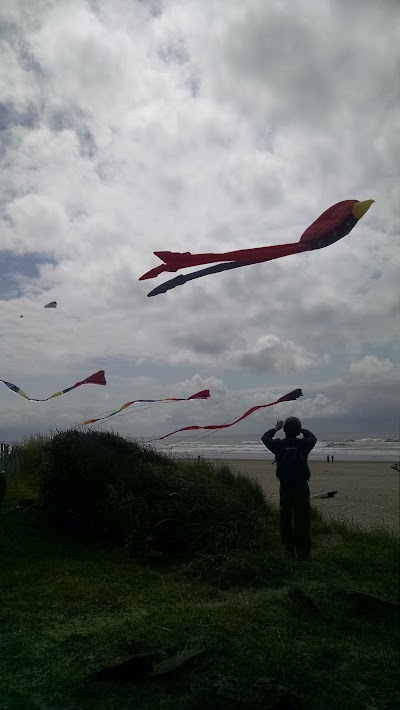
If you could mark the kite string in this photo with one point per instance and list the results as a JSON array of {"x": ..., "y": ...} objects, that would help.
[
  {"x": 135, "y": 411},
  {"x": 204, "y": 394},
  {"x": 117, "y": 413}
]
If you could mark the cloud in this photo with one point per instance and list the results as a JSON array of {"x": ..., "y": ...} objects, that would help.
[
  {"x": 129, "y": 128},
  {"x": 370, "y": 366},
  {"x": 271, "y": 354}
]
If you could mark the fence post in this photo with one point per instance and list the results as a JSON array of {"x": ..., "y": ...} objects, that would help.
[{"x": 4, "y": 450}]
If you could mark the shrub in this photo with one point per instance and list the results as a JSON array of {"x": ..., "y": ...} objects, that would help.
[
  {"x": 80, "y": 470},
  {"x": 22, "y": 468},
  {"x": 28, "y": 454},
  {"x": 114, "y": 486},
  {"x": 198, "y": 506}
]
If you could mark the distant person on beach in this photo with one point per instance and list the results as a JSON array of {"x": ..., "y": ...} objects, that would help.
[
  {"x": 331, "y": 459},
  {"x": 327, "y": 459},
  {"x": 291, "y": 454}
]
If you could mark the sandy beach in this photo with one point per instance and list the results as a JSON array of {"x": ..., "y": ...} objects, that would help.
[{"x": 368, "y": 491}]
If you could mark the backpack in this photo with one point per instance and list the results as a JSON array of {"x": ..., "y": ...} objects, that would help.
[{"x": 291, "y": 467}]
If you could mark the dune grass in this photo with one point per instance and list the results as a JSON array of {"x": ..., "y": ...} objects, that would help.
[
  {"x": 102, "y": 483},
  {"x": 71, "y": 604}
]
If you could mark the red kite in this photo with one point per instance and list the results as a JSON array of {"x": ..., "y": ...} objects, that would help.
[{"x": 334, "y": 224}]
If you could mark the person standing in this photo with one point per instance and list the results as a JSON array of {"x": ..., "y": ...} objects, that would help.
[
  {"x": 293, "y": 473},
  {"x": 327, "y": 459}
]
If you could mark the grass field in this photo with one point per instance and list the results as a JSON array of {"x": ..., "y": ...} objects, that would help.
[{"x": 272, "y": 627}]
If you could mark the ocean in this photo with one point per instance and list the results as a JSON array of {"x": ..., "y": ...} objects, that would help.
[{"x": 344, "y": 447}]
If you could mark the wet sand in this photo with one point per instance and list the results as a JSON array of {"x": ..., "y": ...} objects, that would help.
[{"x": 368, "y": 491}]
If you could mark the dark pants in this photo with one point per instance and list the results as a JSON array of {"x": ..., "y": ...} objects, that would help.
[{"x": 295, "y": 518}]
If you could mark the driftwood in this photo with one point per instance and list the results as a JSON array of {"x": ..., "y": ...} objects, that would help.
[{"x": 327, "y": 494}]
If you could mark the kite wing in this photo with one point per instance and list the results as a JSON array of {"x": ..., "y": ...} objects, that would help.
[
  {"x": 334, "y": 224},
  {"x": 52, "y": 304},
  {"x": 204, "y": 394},
  {"x": 97, "y": 379},
  {"x": 295, "y": 394}
]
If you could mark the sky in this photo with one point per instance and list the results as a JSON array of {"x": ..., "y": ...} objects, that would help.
[{"x": 128, "y": 127}]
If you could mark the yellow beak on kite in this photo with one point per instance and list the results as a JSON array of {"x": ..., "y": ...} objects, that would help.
[{"x": 360, "y": 208}]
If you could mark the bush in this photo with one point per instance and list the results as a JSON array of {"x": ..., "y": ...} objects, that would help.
[
  {"x": 198, "y": 506},
  {"x": 22, "y": 468},
  {"x": 81, "y": 472},
  {"x": 104, "y": 483},
  {"x": 28, "y": 455}
]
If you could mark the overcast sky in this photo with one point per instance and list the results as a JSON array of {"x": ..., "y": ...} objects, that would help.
[{"x": 128, "y": 127}]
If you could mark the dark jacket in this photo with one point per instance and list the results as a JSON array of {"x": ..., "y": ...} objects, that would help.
[{"x": 304, "y": 445}]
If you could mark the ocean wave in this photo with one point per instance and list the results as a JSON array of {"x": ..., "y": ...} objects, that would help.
[
  {"x": 366, "y": 443},
  {"x": 369, "y": 440},
  {"x": 383, "y": 447}
]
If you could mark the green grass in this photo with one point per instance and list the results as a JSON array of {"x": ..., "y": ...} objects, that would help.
[{"x": 71, "y": 605}]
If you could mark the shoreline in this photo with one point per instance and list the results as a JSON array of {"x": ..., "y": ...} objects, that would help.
[
  {"x": 368, "y": 491},
  {"x": 339, "y": 458}
]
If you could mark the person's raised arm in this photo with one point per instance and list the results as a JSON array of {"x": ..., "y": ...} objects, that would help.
[
  {"x": 268, "y": 438},
  {"x": 309, "y": 440}
]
